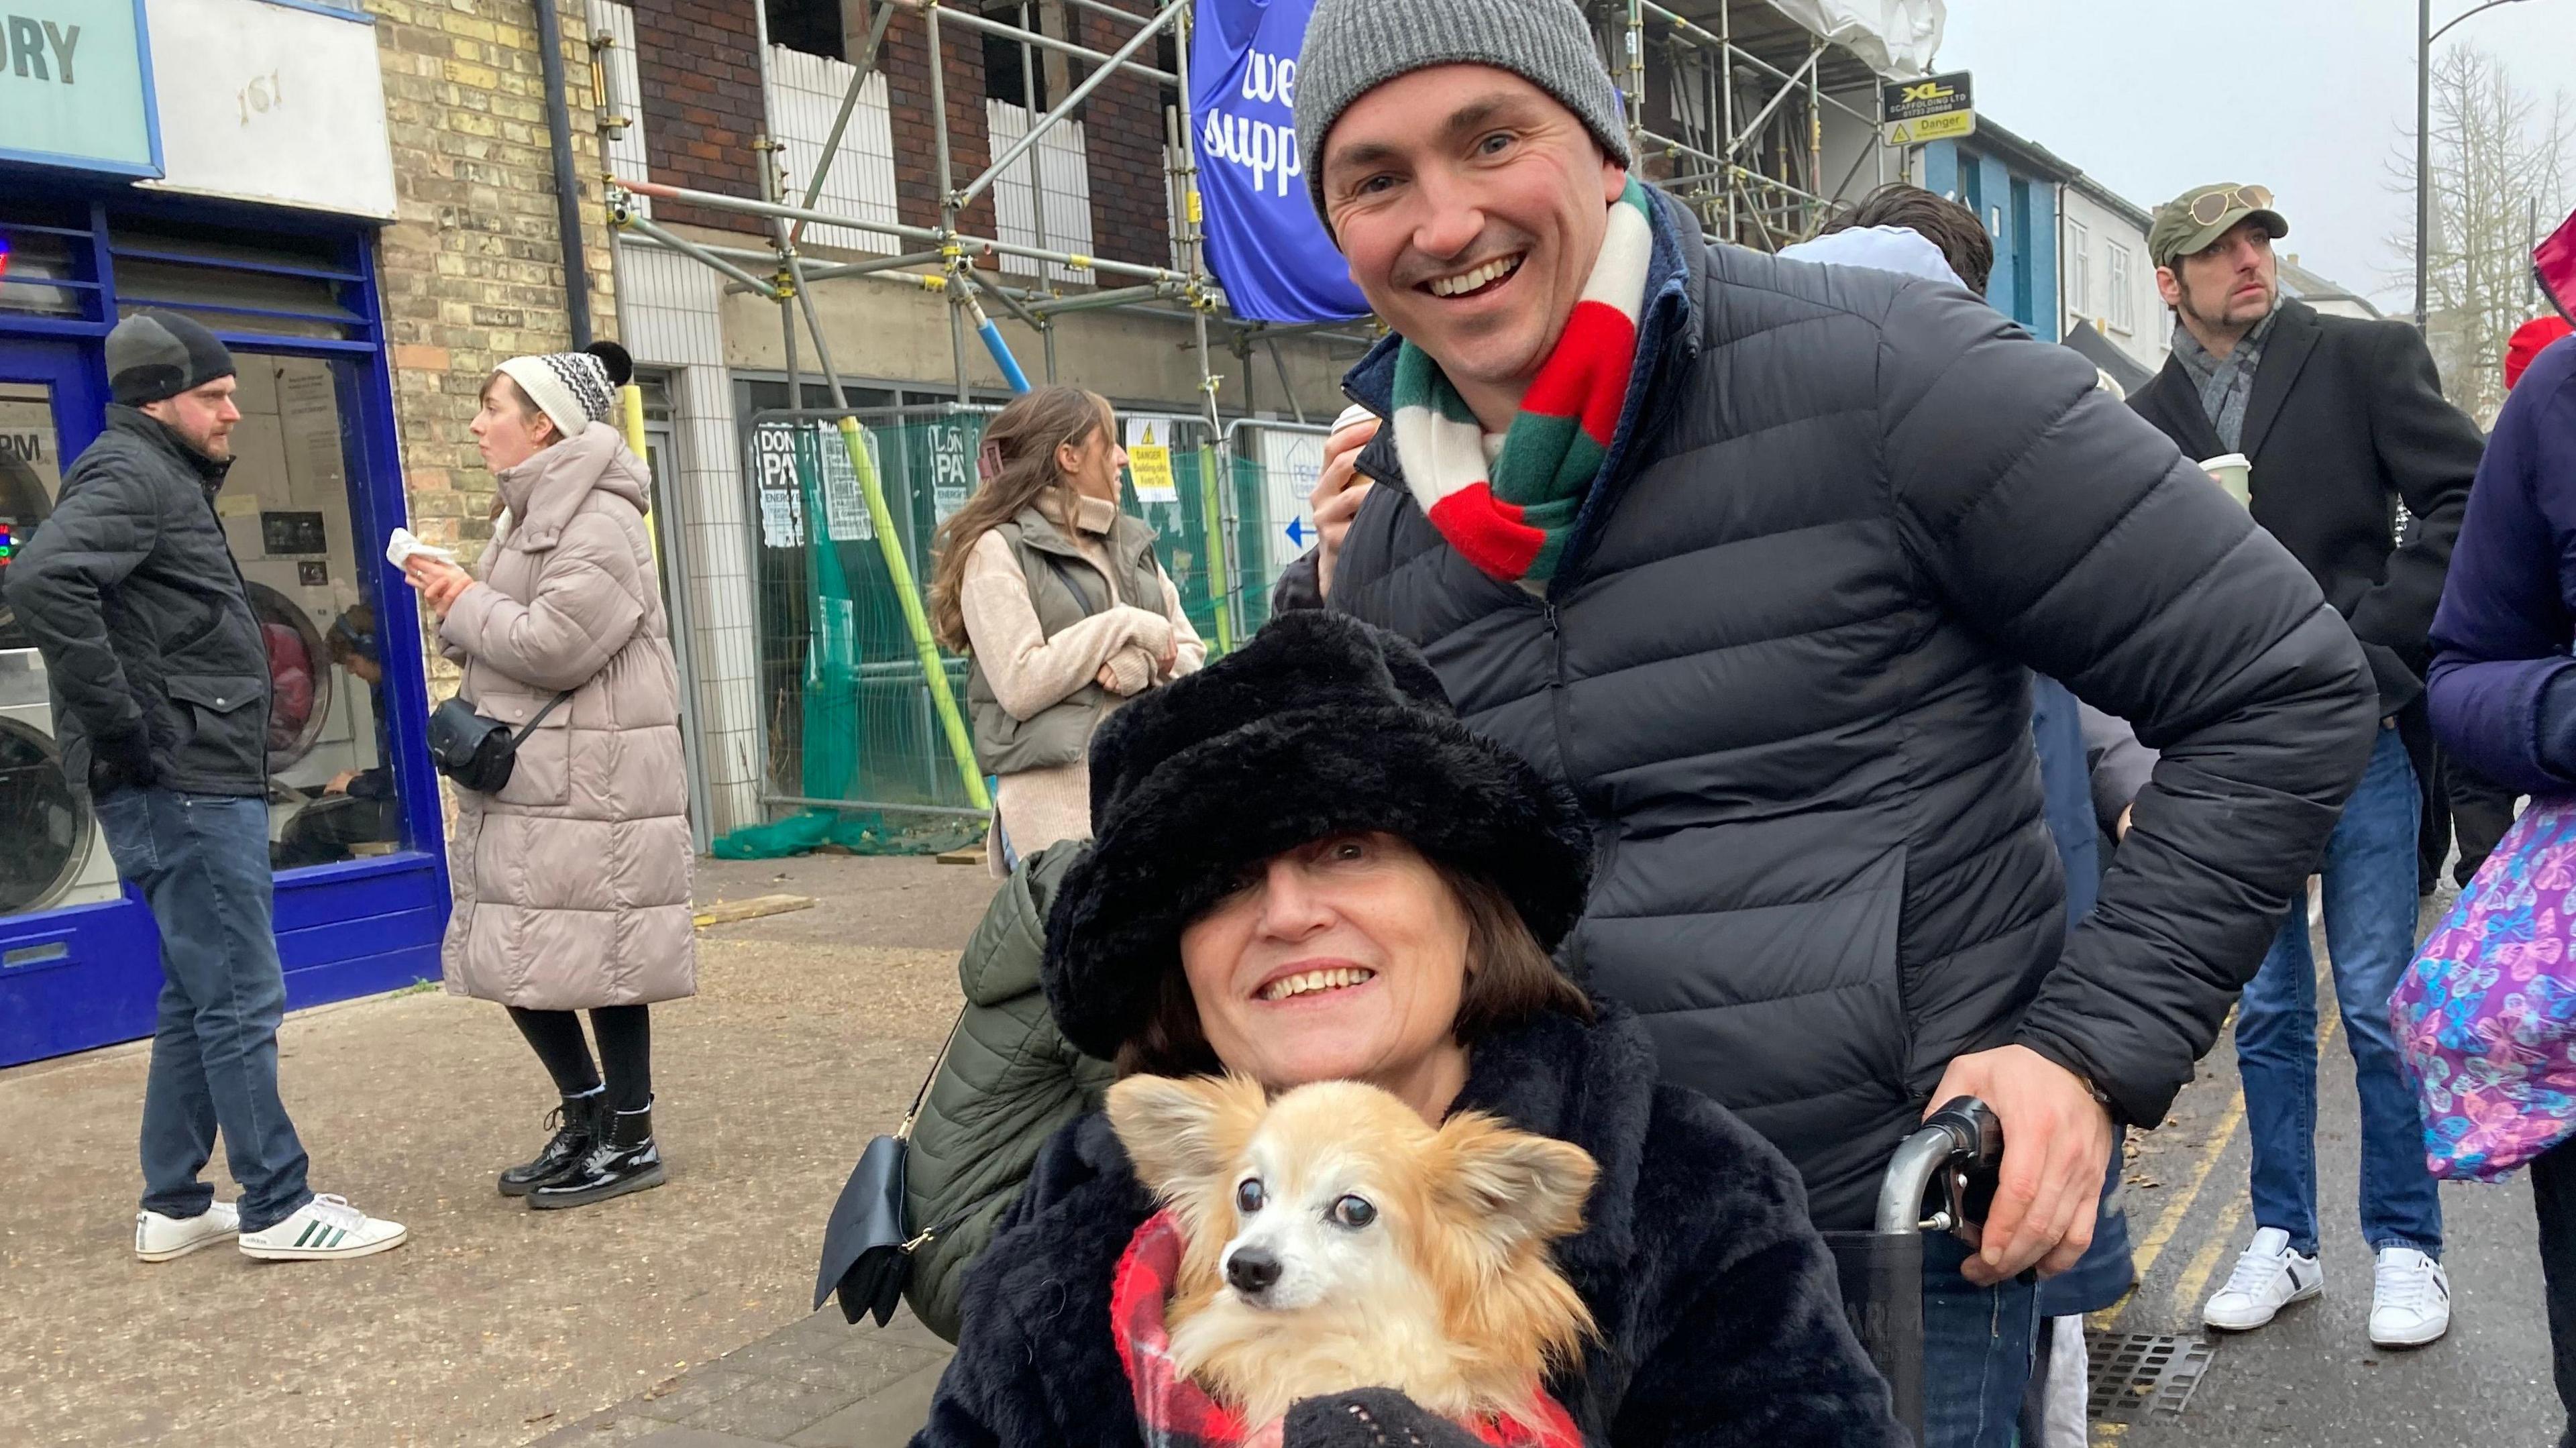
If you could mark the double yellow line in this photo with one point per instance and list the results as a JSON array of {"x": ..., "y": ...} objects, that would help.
[{"x": 2194, "y": 1279}]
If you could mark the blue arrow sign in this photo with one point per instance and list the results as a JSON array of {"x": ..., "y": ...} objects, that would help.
[{"x": 1296, "y": 531}]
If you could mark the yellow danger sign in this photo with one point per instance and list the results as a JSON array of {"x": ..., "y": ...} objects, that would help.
[
  {"x": 1932, "y": 128},
  {"x": 1149, "y": 464}
]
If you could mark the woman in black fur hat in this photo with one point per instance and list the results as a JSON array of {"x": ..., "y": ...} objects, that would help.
[{"x": 1314, "y": 799}]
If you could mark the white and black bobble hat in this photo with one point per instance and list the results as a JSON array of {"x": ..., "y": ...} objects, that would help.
[{"x": 575, "y": 389}]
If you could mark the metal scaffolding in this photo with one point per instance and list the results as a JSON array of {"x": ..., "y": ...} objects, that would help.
[{"x": 1745, "y": 93}]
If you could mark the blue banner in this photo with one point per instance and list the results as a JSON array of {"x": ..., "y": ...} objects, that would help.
[{"x": 1264, "y": 241}]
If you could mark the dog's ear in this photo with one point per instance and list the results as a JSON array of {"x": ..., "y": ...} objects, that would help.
[
  {"x": 1525, "y": 1187},
  {"x": 1182, "y": 1133}
]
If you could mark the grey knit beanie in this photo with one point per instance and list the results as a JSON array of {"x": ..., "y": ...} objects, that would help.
[
  {"x": 1354, "y": 46},
  {"x": 155, "y": 356}
]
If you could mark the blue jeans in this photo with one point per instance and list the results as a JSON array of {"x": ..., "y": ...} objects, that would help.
[
  {"x": 201, "y": 862},
  {"x": 2370, "y": 902},
  {"x": 1978, "y": 1344}
]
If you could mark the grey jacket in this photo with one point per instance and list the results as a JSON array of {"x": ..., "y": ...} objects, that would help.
[
  {"x": 1785, "y": 666},
  {"x": 1064, "y": 588},
  {"x": 1006, "y": 1084},
  {"x": 572, "y": 882}
]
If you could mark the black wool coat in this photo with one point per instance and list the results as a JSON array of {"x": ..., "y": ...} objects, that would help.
[
  {"x": 1720, "y": 1320},
  {"x": 2346, "y": 421}
]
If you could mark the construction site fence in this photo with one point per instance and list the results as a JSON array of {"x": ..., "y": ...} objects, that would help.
[{"x": 848, "y": 723}]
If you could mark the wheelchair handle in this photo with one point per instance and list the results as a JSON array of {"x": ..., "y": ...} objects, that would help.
[{"x": 1961, "y": 1142}]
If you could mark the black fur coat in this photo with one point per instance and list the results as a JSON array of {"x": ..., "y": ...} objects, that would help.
[{"x": 1719, "y": 1319}]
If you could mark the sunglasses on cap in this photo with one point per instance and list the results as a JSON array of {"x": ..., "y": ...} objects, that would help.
[{"x": 2205, "y": 210}]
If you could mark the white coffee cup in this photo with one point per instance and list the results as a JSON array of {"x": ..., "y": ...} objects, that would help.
[{"x": 2235, "y": 473}]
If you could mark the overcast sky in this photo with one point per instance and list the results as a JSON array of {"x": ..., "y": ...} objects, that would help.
[{"x": 2312, "y": 98}]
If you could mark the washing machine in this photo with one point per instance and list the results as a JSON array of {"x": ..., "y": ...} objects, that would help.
[
  {"x": 52, "y": 853},
  {"x": 285, "y": 511}
]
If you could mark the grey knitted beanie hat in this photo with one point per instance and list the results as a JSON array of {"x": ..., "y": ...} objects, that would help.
[
  {"x": 1355, "y": 46},
  {"x": 155, "y": 356}
]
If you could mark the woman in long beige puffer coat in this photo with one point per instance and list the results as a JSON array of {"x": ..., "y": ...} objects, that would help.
[{"x": 572, "y": 881}]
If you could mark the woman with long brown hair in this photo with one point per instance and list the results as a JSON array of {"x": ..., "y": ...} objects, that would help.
[{"x": 1058, "y": 602}]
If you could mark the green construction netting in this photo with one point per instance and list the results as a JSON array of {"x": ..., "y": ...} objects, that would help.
[{"x": 845, "y": 713}]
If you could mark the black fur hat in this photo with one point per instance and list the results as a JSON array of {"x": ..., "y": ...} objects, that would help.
[{"x": 1321, "y": 725}]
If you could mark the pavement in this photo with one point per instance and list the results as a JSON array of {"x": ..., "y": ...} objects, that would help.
[
  {"x": 2312, "y": 1376},
  {"x": 493, "y": 1324},
  {"x": 676, "y": 1318}
]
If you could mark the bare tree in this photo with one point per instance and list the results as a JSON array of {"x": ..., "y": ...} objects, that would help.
[{"x": 2499, "y": 157}]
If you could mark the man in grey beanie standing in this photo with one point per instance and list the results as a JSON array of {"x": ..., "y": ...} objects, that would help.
[
  {"x": 1758, "y": 557},
  {"x": 161, "y": 690}
]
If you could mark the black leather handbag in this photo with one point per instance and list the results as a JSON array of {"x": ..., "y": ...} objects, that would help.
[
  {"x": 867, "y": 1246},
  {"x": 478, "y": 753}
]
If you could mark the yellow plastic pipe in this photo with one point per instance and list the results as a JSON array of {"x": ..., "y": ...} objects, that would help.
[
  {"x": 630, "y": 421},
  {"x": 630, "y": 416},
  {"x": 915, "y": 617},
  {"x": 1218, "y": 596}
]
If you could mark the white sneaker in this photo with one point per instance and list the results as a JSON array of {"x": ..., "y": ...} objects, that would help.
[
  {"x": 323, "y": 1229},
  {"x": 2267, "y": 1278},
  {"x": 158, "y": 1238},
  {"x": 2410, "y": 1304}
]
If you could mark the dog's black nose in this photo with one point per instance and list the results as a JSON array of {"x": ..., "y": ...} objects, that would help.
[{"x": 1251, "y": 1271}]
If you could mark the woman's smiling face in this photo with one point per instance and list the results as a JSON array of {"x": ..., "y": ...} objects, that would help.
[{"x": 1342, "y": 959}]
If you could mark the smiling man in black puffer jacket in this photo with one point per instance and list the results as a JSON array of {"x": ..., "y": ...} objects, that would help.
[{"x": 1759, "y": 557}]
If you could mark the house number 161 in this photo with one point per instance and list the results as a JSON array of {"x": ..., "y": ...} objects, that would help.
[{"x": 261, "y": 95}]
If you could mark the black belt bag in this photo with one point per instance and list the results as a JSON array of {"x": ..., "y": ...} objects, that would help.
[{"x": 478, "y": 753}]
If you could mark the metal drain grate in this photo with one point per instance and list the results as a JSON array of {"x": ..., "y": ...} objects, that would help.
[{"x": 2131, "y": 1373}]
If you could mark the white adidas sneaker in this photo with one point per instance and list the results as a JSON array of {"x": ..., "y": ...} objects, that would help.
[
  {"x": 2410, "y": 1302},
  {"x": 158, "y": 1238},
  {"x": 2267, "y": 1278},
  {"x": 324, "y": 1229}
]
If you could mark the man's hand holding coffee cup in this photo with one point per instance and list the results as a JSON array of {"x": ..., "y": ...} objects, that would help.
[{"x": 1340, "y": 489}]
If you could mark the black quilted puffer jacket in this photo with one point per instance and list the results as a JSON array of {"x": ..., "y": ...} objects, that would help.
[{"x": 1786, "y": 666}]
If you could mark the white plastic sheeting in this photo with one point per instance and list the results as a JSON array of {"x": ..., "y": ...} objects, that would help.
[{"x": 1896, "y": 38}]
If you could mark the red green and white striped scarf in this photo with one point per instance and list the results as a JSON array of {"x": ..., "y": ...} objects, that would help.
[{"x": 1514, "y": 524}]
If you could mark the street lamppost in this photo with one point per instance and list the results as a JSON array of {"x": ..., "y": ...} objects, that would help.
[{"x": 2425, "y": 35}]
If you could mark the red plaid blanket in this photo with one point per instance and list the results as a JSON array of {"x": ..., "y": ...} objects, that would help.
[{"x": 1175, "y": 1412}]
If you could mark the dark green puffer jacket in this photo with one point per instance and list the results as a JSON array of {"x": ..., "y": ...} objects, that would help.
[{"x": 1009, "y": 1081}]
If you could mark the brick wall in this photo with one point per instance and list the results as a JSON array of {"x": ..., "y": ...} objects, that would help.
[
  {"x": 700, "y": 65},
  {"x": 905, "y": 59},
  {"x": 472, "y": 269},
  {"x": 1123, "y": 139}
]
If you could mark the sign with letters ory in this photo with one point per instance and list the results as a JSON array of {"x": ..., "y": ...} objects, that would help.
[{"x": 76, "y": 86}]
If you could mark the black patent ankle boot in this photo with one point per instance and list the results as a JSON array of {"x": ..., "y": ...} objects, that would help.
[
  {"x": 623, "y": 1160},
  {"x": 576, "y": 1125}
]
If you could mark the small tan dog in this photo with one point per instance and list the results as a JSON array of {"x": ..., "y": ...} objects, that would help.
[{"x": 1336, "y": 1241}]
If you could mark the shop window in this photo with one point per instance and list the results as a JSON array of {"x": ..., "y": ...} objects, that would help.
[
  {"x": 39, "y": 273},
  {"x": 310, "y": 563},
  {"x": 50, "y": 850}
]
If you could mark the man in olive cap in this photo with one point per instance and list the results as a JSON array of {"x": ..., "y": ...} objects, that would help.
[
  {"x": 161, "y": 698},
  {"x": 2343, "y": 421}
]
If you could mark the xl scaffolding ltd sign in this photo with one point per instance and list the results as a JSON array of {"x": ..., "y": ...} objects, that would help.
[{"x": 1935, "y": 108}]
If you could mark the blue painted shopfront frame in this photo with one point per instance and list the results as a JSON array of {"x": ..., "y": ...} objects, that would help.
[{"x": 87, "y": 976}]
